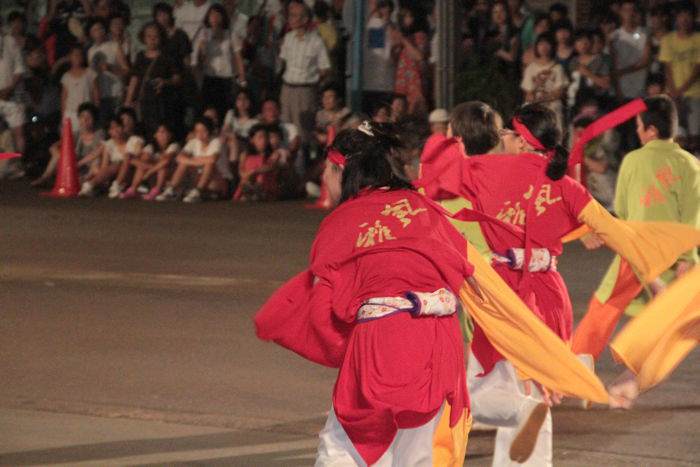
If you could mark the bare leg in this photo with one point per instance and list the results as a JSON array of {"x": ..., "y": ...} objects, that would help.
[
  {"x": 141, "y": 169},
  {"x": 161, "y": 175},
  {"x": 18, "y": 133},
  {"x": 123, "y": 171},
  {"x": 207, "y": 173},
  {"x": 50, "y": 167},
  {"x": 179, "y": 174},
  {"x": 105, "y": 174}
]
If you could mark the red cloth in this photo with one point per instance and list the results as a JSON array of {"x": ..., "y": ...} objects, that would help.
[
  {"x": 530, "y": 211},
  {"x": 441, "y": 167},
  {"x": 604, "y": 123},
  {"x": 266, "y": 180},
  {"x": 396, "y": 371}
]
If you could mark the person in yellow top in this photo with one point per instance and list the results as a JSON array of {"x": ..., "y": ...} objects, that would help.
[
  {"x": 680, "y": 52},
  {"x": 653, "y": 344},
  {"x": 658, "y": 182}
]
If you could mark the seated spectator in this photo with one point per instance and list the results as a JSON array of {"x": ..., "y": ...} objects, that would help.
[
  {"x": 79, "y": 85},
  {"x": 270, "y": 116},
  {"x": 332, "y": 110},
  {"x": 217, "y": 53},
  {"x": 590, "y": 75},
  {"x": 134, "y": 147},
  {"x": 87, "y": 139},
  {"x": 199, "y": 155},
  {"x": 107, "y": 61},
  {"x": 438, "y": 120},
  {"x": 257, "y": 169},
  {"x": 155, "y": 159},
  {"x": 239, "y": 120},
  {"x": 544, "y": 79},
  {"x": 289, "y": 183},
  {"x": 113, "y": 152}
]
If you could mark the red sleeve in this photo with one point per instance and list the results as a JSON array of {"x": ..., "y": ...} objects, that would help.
[{"x": 575, "y": 195}]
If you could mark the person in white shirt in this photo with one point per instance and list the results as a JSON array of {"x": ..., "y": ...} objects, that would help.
[
  {"x": 631, "y": 53},
  {"x": 112, "y": 154},
  {"x": 306, "y": 62},
  {"x": 218, "y": 55},
  {"x": 79, "y": 85},
  {"x": 189, "y": 16},
  {"x": 199, "y": 154},
  {"x": 12, "y": 68},
  {"x": 155, "y": 159}
]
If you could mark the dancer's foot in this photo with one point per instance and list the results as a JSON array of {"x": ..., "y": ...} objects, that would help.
[{"x": 526, "y": 439}]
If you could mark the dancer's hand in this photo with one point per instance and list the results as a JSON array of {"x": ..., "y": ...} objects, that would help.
[
  {"x": 624, "y": 390},
  {"x": 551, "y": 398},
  {"x": 592, "y": 241}
]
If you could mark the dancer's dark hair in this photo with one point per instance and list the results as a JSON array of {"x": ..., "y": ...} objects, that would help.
[
  {"x": 542, "y": 123},
  {"x": 475, "y": 122},
  {"x": 371, "y": 159}
]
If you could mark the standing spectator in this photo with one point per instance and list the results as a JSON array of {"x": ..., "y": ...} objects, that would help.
[
  {"x": 379, "y": 61},
  {"x": 305, "y": 64},
  {"x": 177, "y": 43},
  {"x": 189, "y": 16},
  {"x": 413, "y": 43},
  {"x": 503, "y": 42},
  {"x": 65, "y": 19},
  {"x": 590, "y": 75},
  {"x": 659, "y": 26},
  {"x": 79, "y": 85},
  {"x": 399, "y": 108},
  {"x": 563, "y": 35},
  {"x": 17, "y": 25},
  {"x": 107, "y": 61},
  {"x": 544, "y": 80},
  {"x": 117, "y": 33},
  {"x": 680, "y": 52},
  {"x": 631, "y": 53},
  {"x": 332, "y": 111},
  {"x": 12, "y": 68},
  {"x": 154, "y": 83},
  {"x": 558, "y": 12},
  {"x": 218, "y": 54},
  {"x": 238, "y": 19},
  {"x": 523, "y": 22},
  {"x": 477, "y": 26},
  {"x": 239, "y": 120},
  {"x": 541, "y": 26}
]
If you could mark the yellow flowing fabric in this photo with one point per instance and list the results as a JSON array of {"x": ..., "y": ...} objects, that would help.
[
  {"x": 656, "y": 341},
  {"x": 650, "y": 247},
  {"x": 517, "y": 333}
]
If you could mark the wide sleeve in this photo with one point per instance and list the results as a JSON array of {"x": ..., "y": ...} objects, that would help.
[
  {"x": 689, "y": 201},
  {"x": 621, "y": 187},
  {"x": 524, "y": 339},
  {"x": 649, "y": 247},
  {"x": 656, "y": 341}
]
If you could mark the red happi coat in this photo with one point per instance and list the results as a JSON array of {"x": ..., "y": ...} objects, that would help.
[
  {"x": 530, "y": 211},
  {"x": 395, "y": 371}
]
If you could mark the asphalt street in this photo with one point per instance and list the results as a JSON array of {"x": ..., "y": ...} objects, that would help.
[{"x": 126, "y": 339}]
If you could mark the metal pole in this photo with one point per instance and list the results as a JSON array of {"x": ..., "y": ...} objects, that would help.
[
  {"x": 446, "y": 17},
  {"x": 357, "y": 56}
]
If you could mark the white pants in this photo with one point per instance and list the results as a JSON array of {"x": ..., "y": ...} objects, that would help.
[
  {"x": 499, "y": 399},
  {"x": 412, "y": 447}
]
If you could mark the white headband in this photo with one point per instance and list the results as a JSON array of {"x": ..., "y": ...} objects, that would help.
[{"x": 366, "y": 128}]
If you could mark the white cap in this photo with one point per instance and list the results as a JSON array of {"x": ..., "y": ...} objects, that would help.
[{"x": 439, "y": 116}]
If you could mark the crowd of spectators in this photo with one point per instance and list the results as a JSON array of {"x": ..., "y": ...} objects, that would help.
[{"x": 237, "y": 98}]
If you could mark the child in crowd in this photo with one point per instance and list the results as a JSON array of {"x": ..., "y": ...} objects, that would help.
[
  {"x": 155, "y": 159},
  {"x": 332, "y": 110},
  {"x": 87, "y": 140},
  {"x": 78, "y": 86},
  {"x": 134, "y": 146},
  {"x": 112, "y": 155},
  {"x": 199, "y": 154},
  {"x": 544, "y": 80},
  {"x": 257, "y": 169},
  {"x": 107, "y": 61},
  {"x": 239, "y": 120}
]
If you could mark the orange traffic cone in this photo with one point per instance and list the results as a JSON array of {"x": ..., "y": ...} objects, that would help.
[
  {"x": 323, "y": 201},
  {"x": 67, "y": 184}
]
